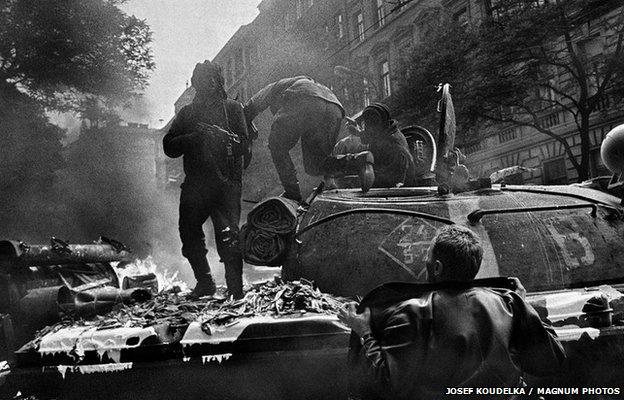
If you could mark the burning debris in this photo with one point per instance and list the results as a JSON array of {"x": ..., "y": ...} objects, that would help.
[
  {"x": 172, "y": 311},
  {"x": 166, "y": 279},
  {"x": 166, "y": 308}
]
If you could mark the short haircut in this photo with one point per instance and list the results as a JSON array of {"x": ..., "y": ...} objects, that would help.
[{"x": 460, "y": 252}]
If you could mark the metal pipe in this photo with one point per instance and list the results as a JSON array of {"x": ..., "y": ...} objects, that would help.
[
  {"x": 475, "y": 216},
  {"x": 59, "y": 253},
  {"x": 553, "y": 193},
  {"x": 374, "y": 211}
]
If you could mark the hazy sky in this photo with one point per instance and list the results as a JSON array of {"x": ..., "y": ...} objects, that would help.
[{"x": 185, "y": 32}]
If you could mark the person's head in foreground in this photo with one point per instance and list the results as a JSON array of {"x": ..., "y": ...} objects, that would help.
[{"x": 455, "y": 254}]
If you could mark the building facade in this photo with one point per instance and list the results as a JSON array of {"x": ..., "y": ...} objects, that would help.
[
  {"x": 544, "y": 158},
  {"x": 355, "y": 47}
]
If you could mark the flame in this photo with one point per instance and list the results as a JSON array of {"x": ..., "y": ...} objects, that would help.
[{"x": 167, "y": 279}]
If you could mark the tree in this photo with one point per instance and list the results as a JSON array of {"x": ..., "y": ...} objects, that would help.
[
  {"x": 63, "y": 55},
  {"x": 60, "y": 51},
  {"x": 30, "y": 146},
  {"x": 526, "y": 60},
  {"x": 444, "y": 54}
]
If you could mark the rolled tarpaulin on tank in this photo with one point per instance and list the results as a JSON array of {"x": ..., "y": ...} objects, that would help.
[
  {"x": 275, "y": 214},
  {"x": 269, "y": 230},
  {"x": 261, "y": 247}
]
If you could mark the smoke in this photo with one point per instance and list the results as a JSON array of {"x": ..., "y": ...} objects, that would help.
[
  {"x": 139, "y": 109},
  {"x": 111, "y": 186}
]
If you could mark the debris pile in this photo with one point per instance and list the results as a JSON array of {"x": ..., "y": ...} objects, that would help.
[{"x": 273, "y": 298}]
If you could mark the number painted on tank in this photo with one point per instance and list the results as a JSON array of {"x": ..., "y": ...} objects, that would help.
[{"x": 407, "y": 244}]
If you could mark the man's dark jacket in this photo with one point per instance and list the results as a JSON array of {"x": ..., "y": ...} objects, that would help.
[
  {"x": 456, "y": 337},
  {"x": 200, "y": 167},
  {"x": 393, "y": 162},
  {"x": 273, "y": 95}
]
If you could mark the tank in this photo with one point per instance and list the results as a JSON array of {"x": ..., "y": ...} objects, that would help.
[{"x": 564, "y": 243}]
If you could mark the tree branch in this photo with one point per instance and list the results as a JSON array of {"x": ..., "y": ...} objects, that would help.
[
  {"x": 561, "y": 93},
  {"x": 611, "y": 68},
  {"x": 535, "y": 125},
  {"x": 564, "y": 107},
  {"x": 582, "y": 75}
]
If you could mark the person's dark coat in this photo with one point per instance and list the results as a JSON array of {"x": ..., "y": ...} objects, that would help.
[
  {"x": 212, "y": 186},
  {"x": 184, "y": 138},
  {"x": 456, "y": 337},
  {"x": 394, "y": 164},
  {"x": 302, "y": 109}
]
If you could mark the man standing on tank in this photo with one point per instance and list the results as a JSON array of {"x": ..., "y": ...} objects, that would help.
[
  {"x": 212, "y": 187},
  {"x": 302, "y": 108}
]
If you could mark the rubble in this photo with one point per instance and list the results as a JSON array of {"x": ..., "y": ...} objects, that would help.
[
  {"x": 272, "y": 298},
  {"x": 175, "y": 310}
]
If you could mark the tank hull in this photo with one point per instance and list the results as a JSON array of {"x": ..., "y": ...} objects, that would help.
[
  {"x": 561, "y": 242},
  {"x": 550, "y": 239}
]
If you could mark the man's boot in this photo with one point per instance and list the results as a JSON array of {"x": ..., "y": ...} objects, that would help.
[
  {"x": 292, "y": 192},
  {"x": 234, "y": 277},
  {"x": 205, "y": 284},
  {"x": 205, "y": 287},
  {"x": 365, "y": 160}
]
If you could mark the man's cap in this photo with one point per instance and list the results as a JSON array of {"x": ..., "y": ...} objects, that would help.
[{"x": 379, "y": 109}]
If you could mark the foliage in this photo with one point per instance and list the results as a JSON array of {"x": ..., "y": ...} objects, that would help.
[
  {"x": 445, "y": 55},
  {"x": 525, "y": 61},
  {"x": 81, "y": 55},
  {"x": 59, "y": 51},
  {"x": 30, "y": 145}
]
